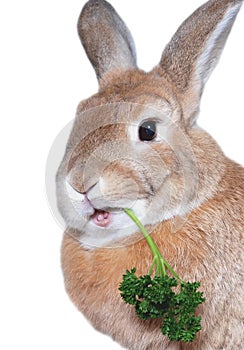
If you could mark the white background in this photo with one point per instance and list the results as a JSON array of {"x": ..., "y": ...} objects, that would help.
[{"x": 44, "y": 74}]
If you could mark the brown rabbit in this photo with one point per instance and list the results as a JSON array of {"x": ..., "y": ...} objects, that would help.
[{"x": 136, "y": 144}]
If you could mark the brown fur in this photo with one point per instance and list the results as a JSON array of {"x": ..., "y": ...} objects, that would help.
[
  {"x": 204, "y": 20},
  {"x": 207, "y": 245}
]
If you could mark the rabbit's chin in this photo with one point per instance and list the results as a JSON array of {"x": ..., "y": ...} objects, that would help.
[
  {"x": 108, "y": 228},
  {"x": 95, "y": 227}
]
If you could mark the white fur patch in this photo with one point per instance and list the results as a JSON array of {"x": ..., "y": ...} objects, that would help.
[
  {"x": 121, "y": 227},
  {"x": 79, "y": 201}
]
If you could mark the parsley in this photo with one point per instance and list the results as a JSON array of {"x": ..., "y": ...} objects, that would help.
[{"x": 158, "y": 297}]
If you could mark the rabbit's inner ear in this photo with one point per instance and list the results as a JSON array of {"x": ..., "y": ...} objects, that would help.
[
  {"x": 215, "y": 44},
  {"x": 106, "y": 39},
  {"x": 195, "y": 49}
]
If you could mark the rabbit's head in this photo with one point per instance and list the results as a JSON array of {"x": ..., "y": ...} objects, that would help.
[{"x": 136, "y": 143}]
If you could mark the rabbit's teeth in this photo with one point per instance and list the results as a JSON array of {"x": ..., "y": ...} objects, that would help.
[{"x": 102, "y": 218}]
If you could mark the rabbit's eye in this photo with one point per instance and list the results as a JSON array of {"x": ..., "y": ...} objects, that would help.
[{"x": 147, "y": 131}]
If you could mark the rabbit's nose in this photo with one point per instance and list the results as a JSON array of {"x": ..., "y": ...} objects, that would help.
[
  {"x": 79, "y": 200},
  {"x": 83, "y": 178},
  {"x": 77, "y": 181},
  {"x": 95, "y": 196}
]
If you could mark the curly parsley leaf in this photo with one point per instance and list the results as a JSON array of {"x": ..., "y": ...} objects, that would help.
[{"x": 158, "y": 297}]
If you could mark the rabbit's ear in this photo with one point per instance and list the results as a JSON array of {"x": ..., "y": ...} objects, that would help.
[
  {"x": 194, "y": 50},
  {"x": 106, "y": 39}
]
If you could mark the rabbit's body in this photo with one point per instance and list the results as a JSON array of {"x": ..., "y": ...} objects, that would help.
[
  {"x": 179, "y": 183},
  {"x": 207, "y": 248}
]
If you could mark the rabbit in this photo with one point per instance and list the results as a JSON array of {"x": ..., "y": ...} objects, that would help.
[{"x": 136, "y": 144}]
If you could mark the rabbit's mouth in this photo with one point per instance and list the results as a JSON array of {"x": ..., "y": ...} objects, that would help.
[{"x": 101, "y": 218}]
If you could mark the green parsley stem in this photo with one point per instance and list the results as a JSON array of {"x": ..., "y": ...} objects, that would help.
[
  {"x": 152, "y": 265},
  {"x": 158, "y": 260},
  {"x": 148, "y": 238}
]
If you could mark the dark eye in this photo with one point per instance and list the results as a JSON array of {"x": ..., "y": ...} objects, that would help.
[{"x": 147, "y": 131}]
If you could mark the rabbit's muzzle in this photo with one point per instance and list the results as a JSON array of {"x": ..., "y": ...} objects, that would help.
[{"x": 114, "y": 185}]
